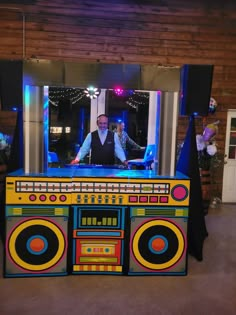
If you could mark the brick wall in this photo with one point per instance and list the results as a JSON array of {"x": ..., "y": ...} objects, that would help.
[{"x": 172, "y": 32}]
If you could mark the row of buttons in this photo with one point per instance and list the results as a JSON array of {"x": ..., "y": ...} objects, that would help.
[
  {"x": 114, "y": 199},
  {"x": 51, "y": 198},
  {"x": 148, "y": 199}
]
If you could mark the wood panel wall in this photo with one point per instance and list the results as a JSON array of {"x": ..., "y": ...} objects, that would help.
[{"x": 164, "y": 32}]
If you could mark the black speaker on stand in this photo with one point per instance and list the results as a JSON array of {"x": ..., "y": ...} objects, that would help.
[
  {"x": 11, "y": 84},
  {"x": 195, "y": 90}
]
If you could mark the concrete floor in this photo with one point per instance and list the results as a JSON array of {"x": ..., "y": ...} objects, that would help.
[{"x": 208, "y": 289}]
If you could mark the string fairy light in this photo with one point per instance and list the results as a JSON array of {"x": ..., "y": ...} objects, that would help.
[
  {"x": 138, "y": 99},
  {"x": 134, "y": 99},
  {"x": 56, "y": 94}
]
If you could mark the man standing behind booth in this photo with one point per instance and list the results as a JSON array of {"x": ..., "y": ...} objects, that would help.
[
  {"x": 104, "y": 145},
  {"x": 125, "y": 138}
]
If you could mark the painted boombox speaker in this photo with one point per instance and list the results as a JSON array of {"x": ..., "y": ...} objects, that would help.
[
  {"x": 36, "y": 241},
  {"x": 158, "y": 241}
]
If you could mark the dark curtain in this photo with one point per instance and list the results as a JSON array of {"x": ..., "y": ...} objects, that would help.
[{"x": 188, "y": 165}]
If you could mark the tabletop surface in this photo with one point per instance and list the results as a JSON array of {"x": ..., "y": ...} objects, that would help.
[{"x": 96, "y": 171}]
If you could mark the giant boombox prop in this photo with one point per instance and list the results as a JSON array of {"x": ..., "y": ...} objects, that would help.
[{"x": 59, "y": 224}]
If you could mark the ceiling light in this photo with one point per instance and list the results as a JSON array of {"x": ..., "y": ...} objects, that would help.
[{"x": 92, "y": 92}]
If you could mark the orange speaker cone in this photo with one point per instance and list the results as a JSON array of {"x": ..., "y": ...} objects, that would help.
[
  {"x": 158, "y": 244},
  {"x": 37, "y": 245}
]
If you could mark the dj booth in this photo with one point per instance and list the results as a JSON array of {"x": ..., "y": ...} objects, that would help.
[{"x": 95, "y": 220}]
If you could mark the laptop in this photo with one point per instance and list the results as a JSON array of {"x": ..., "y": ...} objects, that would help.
[{"x": 148, "y": 158}]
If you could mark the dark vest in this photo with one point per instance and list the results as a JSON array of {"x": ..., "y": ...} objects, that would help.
[{"x": 102, "y": 154}]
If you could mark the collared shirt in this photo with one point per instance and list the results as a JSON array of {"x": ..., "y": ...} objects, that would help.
[
  {"x": 85, "y": 148},
  {"x": 124, "y": 139}
]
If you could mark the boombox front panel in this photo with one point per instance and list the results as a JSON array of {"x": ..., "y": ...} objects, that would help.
[
  {"x": 102, "y": 240},
  {"x": 131, "y": 192},
  {"x": 158, "y": 246},
  {"x": 38, "y": 191},
  {"x": 98, "y": 217},
  {"x": 36, "y": 246},
  {"x": 97, "y": 191},
  {"x": 98, "y": 239},
  {"x": 100, "y": 250},
  {"x": 98, "y": 255}
]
